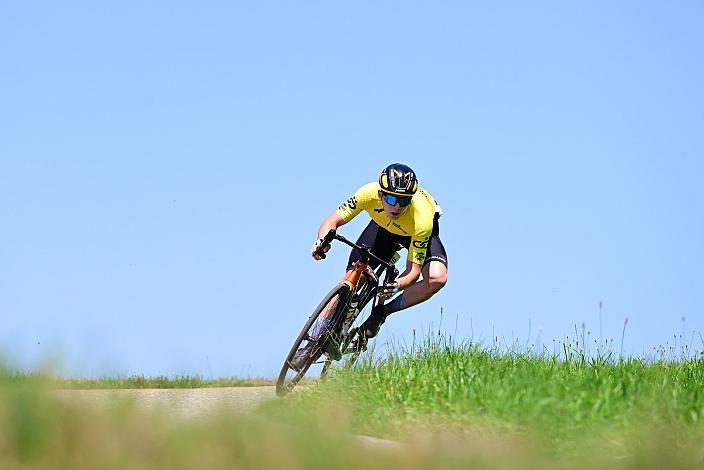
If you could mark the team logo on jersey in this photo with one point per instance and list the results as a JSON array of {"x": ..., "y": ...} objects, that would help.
[
  {"x": 351, "y": 203},
  {"x": 422, "y": 245},
  {"x": 399, "y": 227},
  {"x": 420, "y": 257}
]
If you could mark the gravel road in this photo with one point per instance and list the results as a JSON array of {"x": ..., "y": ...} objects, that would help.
[
  {"x": 186, "y": 402},
  {"x": 194, "y": 402}
]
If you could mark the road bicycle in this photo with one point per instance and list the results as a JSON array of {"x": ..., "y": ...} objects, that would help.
[{"x": 343, "y": 305}]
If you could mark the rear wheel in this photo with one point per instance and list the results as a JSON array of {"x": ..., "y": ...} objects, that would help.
[{"x": 289, "y": 377}]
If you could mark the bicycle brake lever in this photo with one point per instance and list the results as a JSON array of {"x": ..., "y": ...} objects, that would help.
[{"x": 326, "y": 240}]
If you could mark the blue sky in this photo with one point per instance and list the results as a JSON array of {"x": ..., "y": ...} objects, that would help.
[{"x": 164, "y": 167}]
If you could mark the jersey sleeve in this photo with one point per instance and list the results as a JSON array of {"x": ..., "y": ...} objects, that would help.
[
  {"x": 418, "y": 249},
  {"x": 361, "y": 199}
]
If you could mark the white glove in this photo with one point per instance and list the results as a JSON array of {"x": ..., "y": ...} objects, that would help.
[{"x": 314, "y": 250}]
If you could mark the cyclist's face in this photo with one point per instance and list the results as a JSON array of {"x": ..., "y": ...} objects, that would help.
[{"x": 392, "y": 212}]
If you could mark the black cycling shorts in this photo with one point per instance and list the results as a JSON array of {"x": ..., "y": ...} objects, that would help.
[{"x": 384, "y": 244}]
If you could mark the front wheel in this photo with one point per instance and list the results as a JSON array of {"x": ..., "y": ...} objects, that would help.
[
  {"x": 289, "y": 376},
  {"x": 351, "y": 345}
]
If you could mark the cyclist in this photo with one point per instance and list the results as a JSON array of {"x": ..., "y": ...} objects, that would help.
[{"x": 401, "y": 213}]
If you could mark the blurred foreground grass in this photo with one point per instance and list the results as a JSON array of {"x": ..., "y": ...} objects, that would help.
[
  {"x": 450, "y": 407},
  {"x": 38, "y": 430}
]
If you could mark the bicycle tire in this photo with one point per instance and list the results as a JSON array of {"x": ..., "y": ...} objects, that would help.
[
  {"x": 351, "y": 357},
  {"x": 284, "y": 386}
]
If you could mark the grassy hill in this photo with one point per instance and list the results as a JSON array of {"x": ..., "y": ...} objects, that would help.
[{"x": 452, "y": 406}]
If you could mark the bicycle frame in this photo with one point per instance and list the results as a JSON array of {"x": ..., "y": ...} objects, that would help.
[
  {"x": 345, "y": 314},
  {"x": 352, "y": 277}
]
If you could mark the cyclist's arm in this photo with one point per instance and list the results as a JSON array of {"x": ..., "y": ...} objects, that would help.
[
  {"x": 332, "y": 222},
  {"x": 348, "y": 210},
  {"x": 409, "y": 276}
]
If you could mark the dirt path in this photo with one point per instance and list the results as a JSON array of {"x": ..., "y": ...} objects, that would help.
[
  {"x": 186, "y": 402},
  {"x": 195, "y": 402}
]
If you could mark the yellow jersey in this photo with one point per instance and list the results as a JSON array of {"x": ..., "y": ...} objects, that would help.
[{"x": 416, "y": 222}]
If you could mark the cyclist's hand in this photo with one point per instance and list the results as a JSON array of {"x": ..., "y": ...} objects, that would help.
[
  {"x": 314, "y": 250},
  {"x": 389, "y": 291}
]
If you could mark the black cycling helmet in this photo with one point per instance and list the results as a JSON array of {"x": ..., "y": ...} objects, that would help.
[{"x": 398, "y": 179}]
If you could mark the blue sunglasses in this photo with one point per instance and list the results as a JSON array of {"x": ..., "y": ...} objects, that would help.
[{"x": 392, "y": 200}]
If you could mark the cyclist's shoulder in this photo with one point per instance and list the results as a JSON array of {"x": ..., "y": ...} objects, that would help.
[
  {"x": 425, "y": 194},
  {"x": 424, "y": 208},
  {"x": 371, "y": 188},
  {"x": 367, "y": 193},
  {"x": 424, "y": 203},
  {"x": 362, "y": 199}
]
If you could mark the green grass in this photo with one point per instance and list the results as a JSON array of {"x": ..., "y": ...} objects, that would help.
[
  {"x": 569, "y": 405},
  {"x": 557, "y": 396},
  {"x": 454, "y": 406}
]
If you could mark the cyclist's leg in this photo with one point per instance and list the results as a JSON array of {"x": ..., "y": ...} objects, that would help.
[{"x": 434, "y": 276}]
